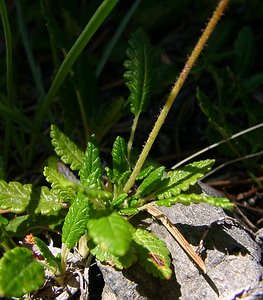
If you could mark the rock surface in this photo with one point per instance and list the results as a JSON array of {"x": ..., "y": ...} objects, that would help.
[{"x": 232, "y": 257}]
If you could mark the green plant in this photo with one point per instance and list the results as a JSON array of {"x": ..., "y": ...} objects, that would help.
[{"x": 94, "y": 211}]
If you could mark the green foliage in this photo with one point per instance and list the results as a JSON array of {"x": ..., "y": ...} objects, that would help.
[
  {"x": 151, "y": 182},
  {"x": 90, "y": 172},
  {"x": 153, "y": 254},
  {"x": 51, "y": 260},
  {"x": 93, "y": 209},
  {"x": 20, "y": 273},
  {"x": 98, "y": 209},
  {"x": 181, "y": 179},
  {"x": 234, "y": 105},
  {"x": 76, "y": 221},
  {"x": 119, "y": 262},
  {"x": 66, "y": 149},
  {"x": 120, "y": 161},
  {"x": 112, "y": 233},
  {"x": 187, "y": 199},
  {"x": 140, "y": 74},
  {"x": 18, "y": 198},
  {"x": 15, "y": 196}
]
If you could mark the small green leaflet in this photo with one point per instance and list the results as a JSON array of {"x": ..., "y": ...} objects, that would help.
[
  {"x": 187, "y": 199},
  {"x": 151, "y": 182},
  {"x": 181, "y": 179},
  {"x": 19, "y": 273},
  {"x": 51, "y": 260},
  {"x": 91, "y": 172},
  {"x": 152, "y": 254},
  {"x": 119, "y": 157},
  {"x": 113, "y": 233},
  {"x": 76, "y": 221},
  {"x": 63, "y": 187},
  {"x": 140, "y": 74},
  {"x": 66, "y": 149},
  {"x": 120, "y": 262}
]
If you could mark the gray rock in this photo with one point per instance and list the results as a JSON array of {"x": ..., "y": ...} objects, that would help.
[{"x": 231, "y": 255}]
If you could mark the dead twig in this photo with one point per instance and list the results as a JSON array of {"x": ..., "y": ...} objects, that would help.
[{"x": 155, "y": 212}]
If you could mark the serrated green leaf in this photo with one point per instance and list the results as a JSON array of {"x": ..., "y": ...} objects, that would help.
[
  {"x": 51, "y": 260},
  {"x": 63, "y": 187},
  {"x": 15, "y": 196},
  {"x": 151, "y": 182},
  {"x": 76, "y": 221},
  {"x": 48, "y": 202},
  {"x": 145, "y": 172},
  {"x": 140, "y": 73},
  {"x": 244, "y": 50},
  {"x": 129, "y": 211},
  {"x": 122, "y": 262},
  {"x": 181, "y": 179},
  {"x": 91, "y": 171},
  {"x": 152, "y": 254},
  {"x": 186, "y": 199},
  {"x": 119, "y": 200},
  {"x": 66, "y": 149},
  {"x": 19, "y": 273},
  {"x": 18, "y": 198},
  {"x": 119, "y": 157},
  {"x": 113, "y": 233}
]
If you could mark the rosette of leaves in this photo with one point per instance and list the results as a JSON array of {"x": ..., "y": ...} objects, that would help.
[{"x": 101, "y": 210}]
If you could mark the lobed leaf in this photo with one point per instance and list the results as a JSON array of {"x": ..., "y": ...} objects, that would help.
[
  {"x": 20, "y": 273},
  {"x": 66, "y": 149},
  {"x": 113, "y": 233},
  {"x": 63, "y": 187},
  {"x": 140, "y": 73},
  {"x": 152, "y": 254},
  {"x": 15, "y": 196},
  {"x": 91, "y": 171},
  {"x": 76, "y": 221},
  {"x": 181, "y": 179},
  {"x": 151, "y": 182},
  {"x": 48, "y": 202},
  {"x": 186, "y": 199}
]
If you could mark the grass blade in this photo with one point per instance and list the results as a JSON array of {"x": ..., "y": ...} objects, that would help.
[{"x": 95, "y": 22}]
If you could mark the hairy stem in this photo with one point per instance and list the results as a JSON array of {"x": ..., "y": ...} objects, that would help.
[
  {"x": 133, "y": 129},
  {"x": 175, "y": 90}
]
